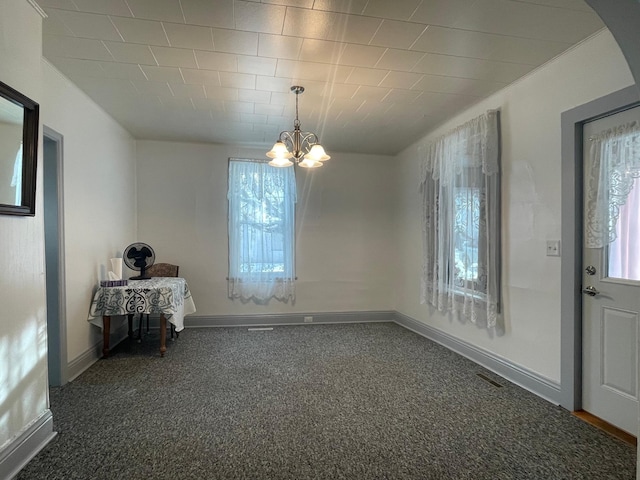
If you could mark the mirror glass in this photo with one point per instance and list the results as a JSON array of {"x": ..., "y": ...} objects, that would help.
[
  {"x": 11, "y": 128},
  {"x": 19, "y": 119}
]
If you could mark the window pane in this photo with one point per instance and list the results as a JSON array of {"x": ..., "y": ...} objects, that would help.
[
  {"x": 624, "y": 251},
  {"x": 466, "y": 233}
]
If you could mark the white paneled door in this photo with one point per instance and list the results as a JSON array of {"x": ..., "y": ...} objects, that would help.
[{"x": 610, "y": 306}]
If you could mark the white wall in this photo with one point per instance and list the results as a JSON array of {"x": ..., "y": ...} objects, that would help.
[
  {"x": 345, "y": 254},
  {"x": 531, "y": 199},
  {"x": 23, "y": 354},
  {"x": 99, "y": 197}
]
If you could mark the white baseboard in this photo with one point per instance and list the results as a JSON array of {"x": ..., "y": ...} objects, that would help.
[
  {"x": 521, "y": 376},
  {"x": 193, "y": 321},
  {"x": 94, "y": 353},
  {"x": 25, "y": 446}
]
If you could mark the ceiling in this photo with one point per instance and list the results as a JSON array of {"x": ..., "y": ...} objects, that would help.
[{"x": 378, "y": 74}]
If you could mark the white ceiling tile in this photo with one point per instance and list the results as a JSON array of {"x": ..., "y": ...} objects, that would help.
[
  {"x": 341, "y": 6},
  {"x": 366, "y": 76},
  {"x": 63, "y": 4},
  {"x": 570, "y": 4},
  {"x": 253, "y": 96},
  {"x": 401, "y": 80},
  {"x": 253, "y": 118},
  {"x": 273, "y": 84},
  {"x": 127, "y": 71},
  {"x": 462, "y": 86},
  {"x": 145, "y": 87},
  {"x": 397, "y": 34},
  {"x": 162, "y": 74},
  {"x": 322, "y": 51},
  {"x": 221, "y": 93},
  {"x": 214, "y": 14},
  {"x": 74, "y": 66},
  {"x": 182, "y": 90},
  {"x": 53, "y": 24},
  {"x": 398, "y": 9},
  {"x": 177, "y": 103},
  {"x": 341, "y": 90},
  {"x": 189, "y": 36},
  {"x": 403, "y": 96},
  {"x": 256, "y": 65},
  {"x": 89, "y": 25},
  {"x": 202, "y": 77},
  {"x": 265, "y": 109},
  {"x": 312, "y": 71},
  {"x": 278, "y": 46},
  {"x": 367, "y": 93},
  {"x": 83, "y": 48},
  {"x": 141, "y": 31},
  {"x": 238, "y": 107},
  {"x": 162, "y": 10},
  {"x": 112, "y": 7},
  {"x": 361, "y": 55},
  {"x": 174, "y": 57},
  {"x": 225, "y": 62},
  {"x": 230, "y": 41},
  {"x": 402, "y": 60},
  {"x": 481, "y": 69},
  {"x": 237, "y": 80},
  {"x": 440, "y": 12},
  {"x": 519, "y": 19},
  {"x": 330, "y": 26},
  {"x": 258, "y": 17},
  {"x": 131, "y": 53},
  {"x": 523, "y": 50}
]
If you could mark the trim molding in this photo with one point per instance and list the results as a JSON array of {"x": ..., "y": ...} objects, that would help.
[
  {"x": 94, "y": 353},
  {"x": 259, "y": 320},
  {"x": 37, "y": 8},
  {"x": 521, "y": 376},
  {"x": 26, "y": 445}
]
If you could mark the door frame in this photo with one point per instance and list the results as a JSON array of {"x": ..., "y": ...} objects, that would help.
[
  {"x": 59, "y": 357},
  {"x": 571, "y": 249}
]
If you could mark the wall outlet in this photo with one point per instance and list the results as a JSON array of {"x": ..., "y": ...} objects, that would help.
[
  {"x": 308, "y": 319},
  {"x": 553, "y": 248}
]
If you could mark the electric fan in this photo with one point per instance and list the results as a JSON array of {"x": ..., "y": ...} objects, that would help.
[{"x": 139, "y": 256}]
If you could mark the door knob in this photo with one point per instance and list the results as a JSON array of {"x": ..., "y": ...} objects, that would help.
[
  {"x": 591, "y": 270},
  {"x": 591, "y": 291}
]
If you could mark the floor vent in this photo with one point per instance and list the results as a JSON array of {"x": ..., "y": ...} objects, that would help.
[
  {"x": 259, "y": 329},
  {"x": 488, "y": 380}
]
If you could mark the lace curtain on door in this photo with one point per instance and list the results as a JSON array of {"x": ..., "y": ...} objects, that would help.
[
  {"x": 460, "y": 183},
  {"x": 614, "y": 165}
]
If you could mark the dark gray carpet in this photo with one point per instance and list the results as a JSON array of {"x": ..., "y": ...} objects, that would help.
[{"x": 361, "y": 401}]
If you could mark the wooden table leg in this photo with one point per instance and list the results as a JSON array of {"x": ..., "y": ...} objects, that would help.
[
  {"x": 106, "y": 331},
  {"x": 163, "y": 334},
  {"x": 130, "y": 319}
]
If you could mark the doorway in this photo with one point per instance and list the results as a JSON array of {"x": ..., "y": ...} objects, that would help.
[
  {"x": 573, "y": 122},
  {"x": 54, "y": 257},
  {"x": 611, "y": 272}
]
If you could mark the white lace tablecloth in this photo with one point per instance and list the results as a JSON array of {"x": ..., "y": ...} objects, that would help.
[{"x": 167, "y": 295}]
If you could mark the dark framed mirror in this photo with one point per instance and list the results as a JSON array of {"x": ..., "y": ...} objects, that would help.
[{"x": 18, "y": 152}]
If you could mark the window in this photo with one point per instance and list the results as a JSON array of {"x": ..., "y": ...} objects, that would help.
[
  {"x": 461, "y": 221},
  {"x": 261, "y": 231}
]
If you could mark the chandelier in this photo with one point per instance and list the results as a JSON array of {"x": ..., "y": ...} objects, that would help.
[{"x": 303, "y": 147}]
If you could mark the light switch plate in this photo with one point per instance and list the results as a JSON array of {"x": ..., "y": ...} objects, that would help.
[{"x": 553, "y": 248}]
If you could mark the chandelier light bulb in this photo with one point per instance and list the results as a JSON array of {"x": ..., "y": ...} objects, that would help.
[
  {"x": 279, "y": 150},
  {"x": 317, "y": 154},
  {"x": 280, "y": 162}
]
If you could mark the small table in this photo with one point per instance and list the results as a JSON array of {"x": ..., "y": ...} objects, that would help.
[{"x": 168, "y": 296}]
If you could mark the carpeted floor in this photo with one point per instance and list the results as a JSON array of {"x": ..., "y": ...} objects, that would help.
[{"x": 358, "y": 401}]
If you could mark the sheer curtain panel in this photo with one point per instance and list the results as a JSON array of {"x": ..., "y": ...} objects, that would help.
[
  {"x": 460, "y": 184},
  {"x": 614, "y": 165},
  {"x": 261, "y": 231}
]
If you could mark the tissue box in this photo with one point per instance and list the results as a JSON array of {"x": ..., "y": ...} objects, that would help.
[{"x": 113, "y": 283}]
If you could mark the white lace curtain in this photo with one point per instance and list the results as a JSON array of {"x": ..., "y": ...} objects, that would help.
[
  {"x": 460, "y": 182},
  {"x": 614, "y": 164},
  {"x": 261, "y": 231}
]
